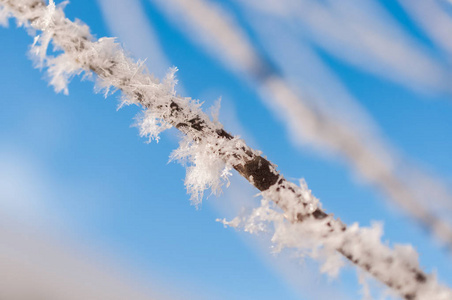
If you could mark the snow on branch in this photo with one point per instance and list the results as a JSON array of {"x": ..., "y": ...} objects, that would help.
[{"x": 211, "y": 152}]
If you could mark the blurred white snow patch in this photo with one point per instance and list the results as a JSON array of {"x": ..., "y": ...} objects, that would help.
[{"x": 205, "y": 168}]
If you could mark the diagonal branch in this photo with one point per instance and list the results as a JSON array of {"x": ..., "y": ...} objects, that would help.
[{"x": 82, "y": 53}]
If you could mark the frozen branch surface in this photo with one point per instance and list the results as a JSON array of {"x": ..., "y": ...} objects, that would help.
[{"x": 211, "y": 151}]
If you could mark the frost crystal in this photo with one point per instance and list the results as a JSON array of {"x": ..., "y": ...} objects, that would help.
[
  {"x": 151, "y": 125},
  {"x": 205, "y": 168}
]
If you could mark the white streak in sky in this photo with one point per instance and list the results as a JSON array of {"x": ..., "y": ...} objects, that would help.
[
  {"x": 365, "y": 35},
  {"x": 127, "y": 20},
  {"x": 212, "y": 27},
  {"x": 434, "y": 19}
]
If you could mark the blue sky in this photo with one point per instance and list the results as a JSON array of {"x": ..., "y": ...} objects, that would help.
[{"x": 74, "y": 167}]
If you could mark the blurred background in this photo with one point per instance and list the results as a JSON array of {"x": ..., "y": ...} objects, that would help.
[{"x": 354, "y": 97}]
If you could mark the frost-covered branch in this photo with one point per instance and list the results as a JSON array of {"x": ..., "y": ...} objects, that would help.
[
  {"x": 207, "y": 146},
  {"x": 311, "y": 124}
]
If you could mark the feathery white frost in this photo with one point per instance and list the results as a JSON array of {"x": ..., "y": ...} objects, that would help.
[
  {"x": 78, "y": 52},
  {"x": 205, "y": 168}
]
